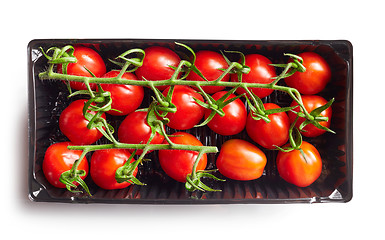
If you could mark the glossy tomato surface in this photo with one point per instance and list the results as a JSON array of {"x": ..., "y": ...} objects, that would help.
[
  {"x": 179, "y": 163},
  {"x": 125, "y": 98},
  {"x": 157, "y": 64},
  {"x": 89, "y": 59},
  {"x": 104, "y": 164},
  {"x": 241, "y": 160},
  {"x": 316, "y": 76},
  {"x": 134, "y": 129},
  {"x": 59, "y": 159},
  {"x": 189, "y": 112},
  {"x": 260, "y": 72},
  {"x": 73, "y": 124},
  {"x": 211, "y": 65},
  {"x": 295, "y": 169},
  {"x": 269, "y": 135},
  {"x": 312, "y": 102},
  {"x": 235, "y": 117}
]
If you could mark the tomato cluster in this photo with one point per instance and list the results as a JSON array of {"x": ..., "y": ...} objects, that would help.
[{"x": 238, "y": 159}]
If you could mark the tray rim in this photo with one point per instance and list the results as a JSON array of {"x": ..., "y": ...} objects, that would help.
[{"x": 349, "y": 124}]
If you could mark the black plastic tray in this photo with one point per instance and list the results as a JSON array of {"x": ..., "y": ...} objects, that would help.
[{"x": 47, "y": 99}]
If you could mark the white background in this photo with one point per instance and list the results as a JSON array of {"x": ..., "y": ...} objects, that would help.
[{"x": 362, "y": 23}]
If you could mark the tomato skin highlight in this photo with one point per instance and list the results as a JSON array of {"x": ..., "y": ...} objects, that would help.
[
  {"x": 260, "y": 72},
  {"x": 156, "y": 64},
  {"x": 86, "y": 58},
  {"x": 269, "y": 135},
  {"x": 234, "y": 120},
  {"x": 73, "y": 124},
  {"x": 189, "y": 112},
  {"x": 310, "y": 103},
  {"x": 134, "y": 129},
  {"x": 241, "y": 160},
  {"x": 104, "y": 164},
  {"x": 58, "y": 159},
  {"x": 316, "y": 76},
  {"x": 177, "y": 164},
  {"x": 293, "y": 168},
  {"x": 125, "y": 98},
  {"x": 209, "y": 64}
]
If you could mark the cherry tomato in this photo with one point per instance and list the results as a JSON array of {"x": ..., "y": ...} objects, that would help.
[
  {"x": 104, "y": 164},
  {"x": 59, "y": 159},
  {"x": 260, "y": 72},
  {"x": 86, "y": 59},
  {"x": 269, "y": 135},
  {"x": 316, "y": 76},
  {"x": 134, "y": 129},
  {"x": 241, "y": 160},
  {"x": 157, "y": 64},
  {"x": 179, "y": 163},
  {"x": 189, "y": 112},
  {"x": 312, "y": 102},
  {"x": 293, "y": 167},
  {"x": 234, "y": 120},
  {"x": 125, "y": 98},
  {"x": 73, "y": 124},
  {"x": 209, "y": 63}
]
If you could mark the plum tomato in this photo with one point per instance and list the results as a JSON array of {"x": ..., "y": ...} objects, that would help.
[
  {"x": 260, "y": 72},
  {"x": 189, "y": 112},
  {"x": 297, "y": 170},
  {"x": 157, "y": 64},
  {"x": 134, "y": 129},
  {"x": 310, "y": 103},
  {"x": 316, "y": 76},
  {"x": 58, "y": 159},
  {"x": 104, "y": 164},
  {"x": 269, "y": 135},
  {"x": 73, "y": 124},
  {"x": 241, "y": 160},
  {"x": 86, "y": 59},
  {"x": 209, "y": 63},
  {"x": 234, "y": 120},
  {"x": 125, "y": 98},
  {"x": 177, "y": 164}
]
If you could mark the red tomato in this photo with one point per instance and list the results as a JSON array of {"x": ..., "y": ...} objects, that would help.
[
  {"x": 311, "y": 102},
  {"x": 316, "y": 76},
  {"x": 234, "y": 120},
  {"x": 189, "y": 112},
  {"x": 269, "y": 135},
  {"x": 260, "y": 72},
  {"x": 241, "y": 160},
  {"x": 86, "y": 59},
  {"x": 104, "y": 164},
  {"x": 125, "y": 98},
  {"x": 293, "y": 168},
  {"x": 134, "y": 129},
  {"x": 59, "y": 159},
  {"x": 179, "y": 163},
  {"x": 156, "y": 64},
  {"x": 209, "y": 64},
  {"x": 73, "y": 124}
]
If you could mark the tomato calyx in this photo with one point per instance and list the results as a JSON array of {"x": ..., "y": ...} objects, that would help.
[
  {"x": 290, "y": 68},
  {"x": 316, "y": 117},
  {"x": 193, "y": 180},
  {"x": 216, "y": 106},
  {"x": 258, "y": 110},
  {"x": 74, "y": 175},
  {"x": 69, "y": 177},
  {"x": 126, "y": 172},
  {"x": 124, "y": 62}
]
